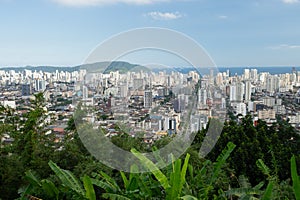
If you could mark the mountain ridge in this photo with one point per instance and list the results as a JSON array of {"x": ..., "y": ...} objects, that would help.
[{"x": 100, "y": 67}]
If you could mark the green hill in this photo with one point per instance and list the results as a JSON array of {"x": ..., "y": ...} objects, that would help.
[{"x": 107, "y": 67}]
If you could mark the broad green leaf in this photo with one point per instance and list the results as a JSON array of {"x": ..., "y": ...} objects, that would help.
[
  {"x": 67, "y": 178},
  {"x": 32, "y": 178},
  {"x": 50, "y": 189},
  {"x": 133, "y": 178},
  {"x": 89, "y": 188},
  {"x": 183, "y": 171},
  {"x": 153, "y": 168},
  {"x": 173, "y": 192},
  {"x": 104, "y": 185},
  {"x": 110, "y": 181},
  {"x": 133, "y": 185},
  {"x": 268, "y": 193},
  {"x": 295, "y": 178},
  {"x": 125, "y": 180},
  {"x": 191, "y": 170}
]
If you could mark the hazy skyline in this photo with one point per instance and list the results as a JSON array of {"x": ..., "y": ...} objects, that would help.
[{"x": 234, "y": 33}]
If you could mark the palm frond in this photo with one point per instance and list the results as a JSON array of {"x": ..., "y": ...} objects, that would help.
[
  {"x": 67, "y": 178},
  {"x": 153, "y": 168}
]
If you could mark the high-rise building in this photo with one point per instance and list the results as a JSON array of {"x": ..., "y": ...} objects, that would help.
[
  {"x": 232, "y": 96},
  {"x": 227, "y": 73},
  {"x": 298, "y": 77},
  {"x": 247, "y": 91},
  {"x": 202, "y": 96},
  {"x": 85, "y": 92},
  {"x": 246, "y": 74},
  {"x": 272, "y": 84},
  {"x": 82, "y": 73},
  {"x": 148, "y": 99},
  {"x": 211, "y": 76},
  {"x": 138, "y": 84},
  {"x": 123, "y": 90},
  {"x": 253, "y": 75},
  {"x": 169, "y": 81},
  {"x": 40, "y": 85},
  {"x": 219, "y": 79},
  {"x": 26, "y": 90},
  {"x": 240, "y": 91},
  {"x": 237, "y": 92},
  {"x": 223, "y": 103},
  {"x": 179, "y": 105}
]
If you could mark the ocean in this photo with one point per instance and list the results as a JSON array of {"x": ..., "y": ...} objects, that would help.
[
  {"x": 271, "y": 70},
  {"x": 240, "y": 70}
]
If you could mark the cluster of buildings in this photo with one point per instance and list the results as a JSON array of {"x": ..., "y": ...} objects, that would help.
[
  {"x": 148, "y": 103},
  {"x": 263, "y": 95},
  {"x": 18, "y": 87},
  {"x": 153, "y": 104}
]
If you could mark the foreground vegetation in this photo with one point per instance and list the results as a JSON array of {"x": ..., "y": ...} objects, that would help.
[{"x": 247, "y": 163}]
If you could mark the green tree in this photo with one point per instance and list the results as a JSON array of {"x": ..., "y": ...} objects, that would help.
[{"x": 274, "y": 144}]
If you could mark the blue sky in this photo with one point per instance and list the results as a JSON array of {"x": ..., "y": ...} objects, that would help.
[{"x": 233, "y": 32}]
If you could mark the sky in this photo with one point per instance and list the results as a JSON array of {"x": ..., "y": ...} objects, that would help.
[{"x": 233, "y": 32}]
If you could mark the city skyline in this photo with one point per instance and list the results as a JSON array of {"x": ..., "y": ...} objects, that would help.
[{"x": 63, "y": 33}]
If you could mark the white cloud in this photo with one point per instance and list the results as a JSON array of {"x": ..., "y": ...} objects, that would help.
[
  {"x": 284, "y": 46},
  {"x": 164, "y": 15},
  {"x": 223, "y": 17},
  {"x": 105, "y": 2},
  {"x": 290, "y": 1}
]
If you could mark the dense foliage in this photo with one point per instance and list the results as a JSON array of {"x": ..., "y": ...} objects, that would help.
[
  {"x": 275, "y": 144},
  {"x": 247, "y": 162}
]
